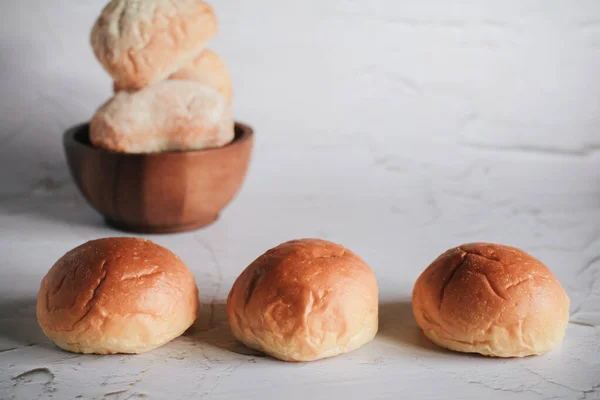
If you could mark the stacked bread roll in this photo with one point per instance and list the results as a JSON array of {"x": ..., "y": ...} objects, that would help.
[{"x": 171, "y": 92}]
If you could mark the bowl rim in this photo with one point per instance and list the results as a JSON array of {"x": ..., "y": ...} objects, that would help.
[{"x": 69, "y": 139}]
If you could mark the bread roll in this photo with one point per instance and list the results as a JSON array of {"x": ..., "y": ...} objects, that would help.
[
  {"x": 168, "y": 116},
  {"x": 207, "y": 68},
  {"x": 305, "y": 300},
  {"x": 117, "y": 295},
  {"x": 491, "y": 299},
  {"x": 141, "y": 42},
  {"x": 210, "y": 69}
]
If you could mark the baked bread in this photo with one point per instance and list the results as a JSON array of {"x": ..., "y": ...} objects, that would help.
[
  {"x": 117, "y": 295},
  {"x": 141, "y": 42},
  {"x": 210, "y": 69},
  {"x": 491, "y": 299},
  {"x": 168, "y": 116},
  {"x": 305, "y": 300}
]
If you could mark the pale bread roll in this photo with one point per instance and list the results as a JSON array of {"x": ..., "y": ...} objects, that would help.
[
  {"x": 305, "y": 300},
  {"x": 141, "y": 42},
  {"x": 491, "y": 299},
  {"x": 210, "y": 69},
  {"x": 117, "y": 295},
  {"x": 207, "y": 68},
  {"x": 168, "y": 116}
]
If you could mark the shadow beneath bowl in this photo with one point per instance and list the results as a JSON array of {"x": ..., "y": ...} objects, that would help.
[
  {"x": 19, "y": 326},
  {"x": 397, "y": 326},
  {"x": 36, "y": 182},
  {"x": 38, "y": 185},
  {"x": 64, "y": 208}
]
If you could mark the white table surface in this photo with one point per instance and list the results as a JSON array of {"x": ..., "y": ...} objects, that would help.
[{"x": 396, "y": 129}]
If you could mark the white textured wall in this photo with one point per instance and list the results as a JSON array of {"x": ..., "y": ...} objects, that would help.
[
  {"x": 510, "y": 74},
  {"x": 486, "y": 94},
  {"x": 397, "y": 128},
  {"x": 471, "y": 107},
  {"x": 482, "y": 116}
]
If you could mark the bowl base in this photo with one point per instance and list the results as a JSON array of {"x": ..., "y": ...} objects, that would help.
[{"x": 123, "y": 226}]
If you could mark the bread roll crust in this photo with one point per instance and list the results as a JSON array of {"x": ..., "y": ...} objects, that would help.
[
  {"x": 168, "y": 116},
  {"x": 305, "y": 300},
  {"x": 117, "y": 295},
  {"x": 491, "y": 299},
  {"x": 210, "y": 69},
  {"x": 207, "y": 68},
  {"x": 141, "y": 42}
]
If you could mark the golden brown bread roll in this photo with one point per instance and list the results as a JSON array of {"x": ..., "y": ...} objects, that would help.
[
  {"x": 117, "y": 295},
  {"x": 305, "y": 300},
  {"x": 141, "y": 42},
  {"x": 491, "y": 299},
  {"x": 168, "y": 116}
]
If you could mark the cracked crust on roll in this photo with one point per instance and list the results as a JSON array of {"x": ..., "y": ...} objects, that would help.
[
  {"x": 141, "y": 42},
  {"x": 169, "y": 116},
  {"x": 491, "y": 299},
  {"x": 305, "y": 300},
  {"x": 117, "y": 295}
]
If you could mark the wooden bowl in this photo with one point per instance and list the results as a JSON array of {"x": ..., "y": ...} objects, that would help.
[{"x": 160, "y": 192}]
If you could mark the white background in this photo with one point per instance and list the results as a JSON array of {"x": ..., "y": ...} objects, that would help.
[{"x": 396, "y": 128}]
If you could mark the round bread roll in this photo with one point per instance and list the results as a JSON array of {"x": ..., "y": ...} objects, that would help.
[
  {"x": 141, "y": 42},
  {"x": 210, "y": 69},
  {"x": 491, "y": 299},
  {"x": 117, "y": 295},
  {"x": 305, "y": 300},
  {"x": 168, "y": 116}
]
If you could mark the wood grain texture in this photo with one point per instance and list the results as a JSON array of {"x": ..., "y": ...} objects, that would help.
[{"x": 158, "y": 193}]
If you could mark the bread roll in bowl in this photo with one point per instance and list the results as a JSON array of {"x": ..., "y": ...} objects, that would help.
[
  {"x": 207, "y": 68},
  {"x": 305, "y": 300},
  {"x": 171, "y": 115},
  {"x": 141, "y": 42},
  {"x": 210, "y": 69},
  {"x": 491, "y": 299},
  {"x": 117, "y": 295}
]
